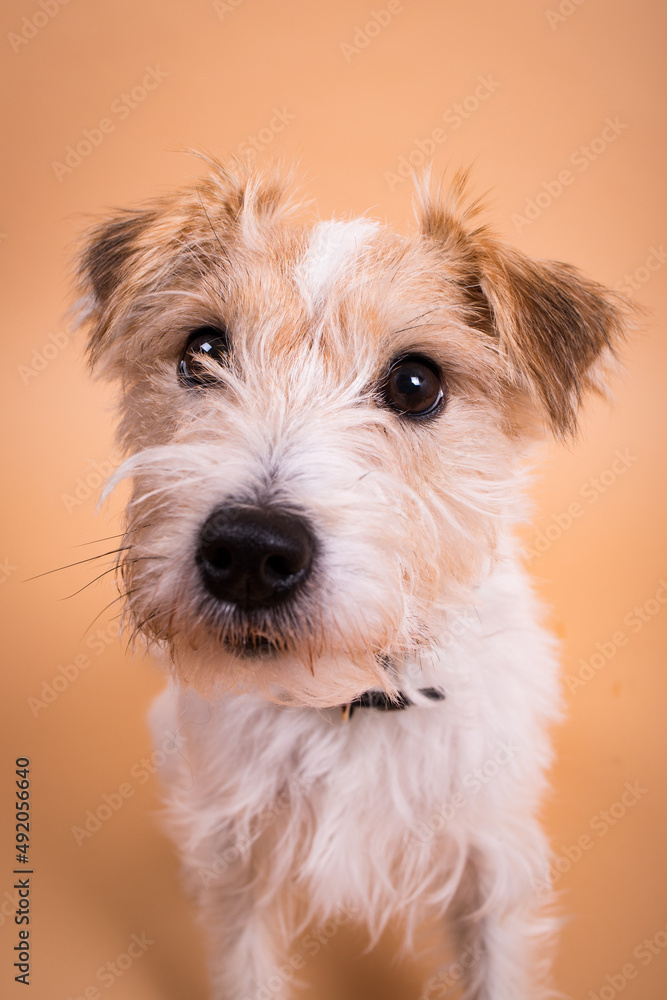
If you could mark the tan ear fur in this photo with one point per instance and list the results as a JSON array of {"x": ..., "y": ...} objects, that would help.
[
  {"x": 556, "y": 327},
  {"x": 133, "y": 253}
]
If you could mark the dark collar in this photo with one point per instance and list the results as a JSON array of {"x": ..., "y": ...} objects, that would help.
[{"x": 386, "y": 702}]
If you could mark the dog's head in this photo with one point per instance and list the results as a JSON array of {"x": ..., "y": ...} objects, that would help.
[{"x": 323, "y": 423}]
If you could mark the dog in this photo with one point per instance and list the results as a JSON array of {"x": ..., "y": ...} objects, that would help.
[{"x": 327, "y": 426}]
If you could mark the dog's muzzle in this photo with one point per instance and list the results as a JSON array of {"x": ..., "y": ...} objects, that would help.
[{"x": 254, "y": 557}]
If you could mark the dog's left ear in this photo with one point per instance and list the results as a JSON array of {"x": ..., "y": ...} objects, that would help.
[{"x": 557, "y": 328}]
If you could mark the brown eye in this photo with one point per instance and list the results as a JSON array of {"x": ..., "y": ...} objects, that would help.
[
  {"x": 205, "y": 342},
  {"x": 414, "y": 387}
]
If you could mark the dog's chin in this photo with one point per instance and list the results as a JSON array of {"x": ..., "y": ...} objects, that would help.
[
  {"x": 255, "y": 647},
  {"x": 278, "y": 669}
]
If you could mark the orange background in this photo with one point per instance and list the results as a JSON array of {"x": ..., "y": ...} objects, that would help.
[{"x": 556, "y": 79}]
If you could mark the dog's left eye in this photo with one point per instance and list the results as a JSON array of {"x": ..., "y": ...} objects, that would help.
[
  {"x": 414, "y": 387},
  {"x": 205, "y": 342}
]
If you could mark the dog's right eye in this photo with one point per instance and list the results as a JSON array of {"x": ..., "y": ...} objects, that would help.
[
  {"x": 414, "y": 387},
  {"x": 205, "y": 342}
]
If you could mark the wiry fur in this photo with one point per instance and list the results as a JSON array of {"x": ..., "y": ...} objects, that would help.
[{"x": 416, "y": 581}]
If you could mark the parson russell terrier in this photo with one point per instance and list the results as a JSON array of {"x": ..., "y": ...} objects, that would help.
[{"x": 326, "y": 428}]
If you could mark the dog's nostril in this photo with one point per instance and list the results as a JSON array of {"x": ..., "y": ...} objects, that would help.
[
  {"x": 280, "y": 567},
  {"x": 220, "y": 558},
  {"x": 254, "y": 556}
]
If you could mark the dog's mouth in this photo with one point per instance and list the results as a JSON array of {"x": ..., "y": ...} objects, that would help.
[
  {"x": 258, "y": 633},
  {"x": 254, "y": 647}
]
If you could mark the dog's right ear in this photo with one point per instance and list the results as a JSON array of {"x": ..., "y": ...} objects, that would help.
[
  {"x": 132, "y": 254},
  {"x": 110, "y": 248},
  {"x": 106, "y": 262}
]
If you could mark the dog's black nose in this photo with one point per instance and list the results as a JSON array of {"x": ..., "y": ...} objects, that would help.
[{"x": 254, "y": 556}]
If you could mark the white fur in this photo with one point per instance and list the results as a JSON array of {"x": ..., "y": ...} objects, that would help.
[
  {"x": 484, "y": 748},
  {"x": 284, "y": 812},
  {"x": 331, "y": 252}
]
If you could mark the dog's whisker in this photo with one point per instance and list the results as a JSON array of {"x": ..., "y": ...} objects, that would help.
[
  {"x": 111, "y": 569},
  {"x": 225, "y": 256},
  {"x": 120, "y": 597},
  {"x": 138, "y": 628},
  {"x": 79, "y": 562},
  {"x": 413, "y": 325},
  {"x": 96, "y": 541}
]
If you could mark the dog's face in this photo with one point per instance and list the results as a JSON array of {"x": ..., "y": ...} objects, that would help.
[{"x": 324, "y": 424}]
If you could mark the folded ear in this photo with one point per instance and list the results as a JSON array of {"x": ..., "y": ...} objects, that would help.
[
  {"x": 132, "y": 254},
  {"x": 557, "y": 328},
  {"x": 107, "y": 260},
  {"x": 108, "y": 253}
]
